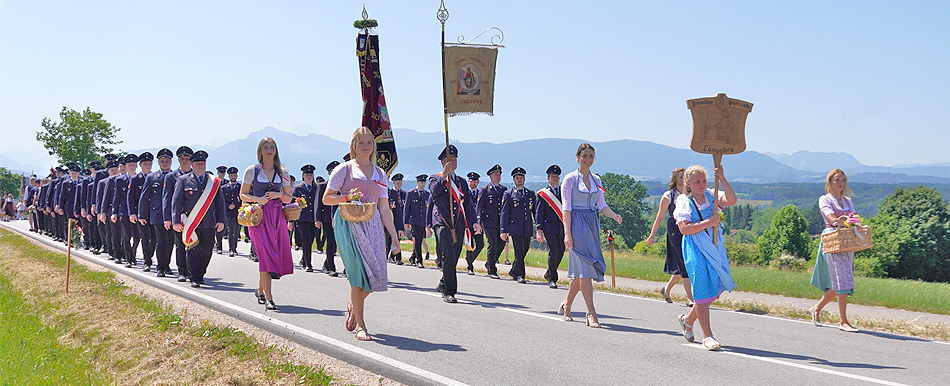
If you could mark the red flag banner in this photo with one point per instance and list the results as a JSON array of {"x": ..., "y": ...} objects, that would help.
[
  {"x": 375, "y": 114},
  {"x": 470, "y": 80}
]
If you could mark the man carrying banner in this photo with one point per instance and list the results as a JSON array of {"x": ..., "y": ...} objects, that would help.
[
  {"x": 197, "y": 209},
  {"x": 548, "y": 216},
  {"x": 517, "y": 221},
  {"x": 453, "y": 218}
]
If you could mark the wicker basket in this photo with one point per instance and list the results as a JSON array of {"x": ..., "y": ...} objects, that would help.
[
  {"x": 847, "y": 240},
  {"x": 292, "y": 213},
  {"x": 253, "y": 219},
  {"x": 357, "y": 212}
]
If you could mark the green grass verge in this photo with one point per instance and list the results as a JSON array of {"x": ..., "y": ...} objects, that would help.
[
  {"x": 910, "y": 295},
  {"x": 31, "y": 354}
]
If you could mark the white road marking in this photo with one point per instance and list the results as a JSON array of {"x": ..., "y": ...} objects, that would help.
[
  {"x": 276, "y": 322},
  {"x": 801, "y": 366},
  {"x": 463, "y": 301}
]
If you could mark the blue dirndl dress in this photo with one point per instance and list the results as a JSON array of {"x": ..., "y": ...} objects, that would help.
[{"x": 707, "y": 264}]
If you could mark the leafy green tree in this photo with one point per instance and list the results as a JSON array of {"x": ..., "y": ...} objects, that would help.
[
  {"x": 912, "y": 235},
  {"x": 816, "y": 222},
  {"x": 788, "y": 234},
  {"x": 762, "y": 220},
  {"x": 625, "y": 196},
  {"x": 10, "y": 182},
  {"x": 80, "y": 137}
]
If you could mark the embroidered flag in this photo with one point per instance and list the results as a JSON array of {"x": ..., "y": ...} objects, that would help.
[
  {"x": 188, "y": 235},
  {"x": 470, "y": 80},
  {"x": 375, "y": 113}
]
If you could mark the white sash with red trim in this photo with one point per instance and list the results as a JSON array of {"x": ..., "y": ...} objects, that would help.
[
  {"x": 548, "y": 196},
  {"x": 467, "y": 242},
  {"x": 188, "y": 235}
]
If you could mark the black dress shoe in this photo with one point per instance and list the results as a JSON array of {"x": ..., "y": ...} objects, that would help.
[
  {"x": 399, "y": 262},
  {"x": 182, "y": 279},
  {"x": 309, "y": 269},
  {"x": 195, "y": 285},
  {"x": 231, "y": 254},
  {"x": 552, "y": 285},
  {"x": 334, "y": 274},
  {"x": 128, "y": 265},
  {"x": 471, "y": 272},
  {"x": 160, "y": 273},
  {"x": 427, "y": 255},
  {"x": 421, "y": 265},
  {"x": 449, "y": 299},
  {"x": 111, "y": 257},
  {"x": 522, "y": 280},
  {"x": 260, "y": 297},
  {"x": 118, "y": 261},
  {"x": 440, "y": 288},
  {"x": 320, "y": 251},
  {"x": 270, "y": 305},
  {"x": 296, "y": 248}
]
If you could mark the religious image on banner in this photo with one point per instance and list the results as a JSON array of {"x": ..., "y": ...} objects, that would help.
[
  {"x": 470, "y": 80},
  {"x": 375, "y": 114}
]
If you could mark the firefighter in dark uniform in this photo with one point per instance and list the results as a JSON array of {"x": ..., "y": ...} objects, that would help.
[
  {"x": 489, "y": 216},
  {"x": 550, "y": 226},
  {"x": 149, "y": 212},
  {"x": 397, "y": 203},
  {"x": 90, "y": 233},
  {"x": 144, "y": 232},
  {"x": 324, "y": 215},
  {"x": 232, "y": 202},
  {"x": 219, "y": 236},
  {"x": 188, "y": 190},
  {"x": 94, "y": 195},
  {"x": 306, "y": 224},
  {"x": 478, "y": 239},
  {"x": 184, "y": 167},
  {"x": 104, "y": 208},
  {"x": 414, "y": 219},
  {"x": 120, "y": 212},
  {"x": 517, "y": 221},
  {"x": 68, "y": 206},
  {"x": 318, "y": 235},
  {"x": 451, "y": 218}
]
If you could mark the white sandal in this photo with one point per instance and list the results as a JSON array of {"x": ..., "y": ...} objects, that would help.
[
  {"x": 687, "y": 328},
  {"x": 710, "y": 343}
]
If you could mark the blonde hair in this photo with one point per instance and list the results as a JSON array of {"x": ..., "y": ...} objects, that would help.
[
  {"x": 690, "y": 172},
  {"x": 260, "y": 156},
  {"x": 846, "y": 192},
  {"x": 356, "y": 138},
  {"x": 676, "y": 172}
]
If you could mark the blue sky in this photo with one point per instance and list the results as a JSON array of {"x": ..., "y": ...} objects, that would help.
[{"x": 868, "y": 78}]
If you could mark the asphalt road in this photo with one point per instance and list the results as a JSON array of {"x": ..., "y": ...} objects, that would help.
[{"x": 504, "y": 333}]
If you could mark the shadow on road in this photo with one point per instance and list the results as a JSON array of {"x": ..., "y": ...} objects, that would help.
[
  {"x": 218, "y": 284},
  {"x": 297, "y": 310},
  {"x": 892, "y": 336},
  {"x": 410, "y": 344},
  {"x": 622, "y": 328},
  {"x": 813, "y": 360}
]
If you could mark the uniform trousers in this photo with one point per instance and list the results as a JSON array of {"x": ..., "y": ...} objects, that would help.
[
  {"x": 136, "y": 238},
  {"x": 234, "y": 232},
  {"x": 61, "y": 226},
  {"x": 555, "y": 243},
  {"x": 495, "y": 247},
  {"x": 92, "y": 228},
  {"x": 438, "y": 248},
  {"x": 330, "y": 251},
  {"x": 389, "y": 247},
  {"x": 121, "y": 240},
  {"x": 451, "y": 251},
  {"x": 470, "y": 256},
  {"x": 219, "y": 238},
  {"x": 163, "y": 246},
  {"x": 181, "y": 258},
  {"x": 199, "y": 256},
  {"x": 521, "y": 249},
  {"x": 86, "y": 232},
  {"x": 306, "y": 230},
  {"x": 105, "y": 234},
  {"x": 147, "y": 236},
  {"x": 418, "y": 237},
  {"x": 318, "y": 238},
  {"x": 298, "y": 241}
]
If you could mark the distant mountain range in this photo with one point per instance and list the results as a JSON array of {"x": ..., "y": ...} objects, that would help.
[{"x": 643, "y": 160}]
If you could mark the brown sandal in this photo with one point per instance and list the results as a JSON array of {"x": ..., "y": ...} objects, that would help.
[
  {"x": 350, "y": 319},
  {"x": 365, "y": 337}
]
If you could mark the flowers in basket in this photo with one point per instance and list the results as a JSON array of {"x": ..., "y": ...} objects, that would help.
[
  {"x": 247, "y": 209},
  {"x": 852, "y": 220},
  {"x": 355, "y": 195},
  {"x": 297, "y": 202}
]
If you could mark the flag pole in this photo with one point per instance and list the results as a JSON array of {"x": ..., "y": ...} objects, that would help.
[{"x": 443, "y": 16}]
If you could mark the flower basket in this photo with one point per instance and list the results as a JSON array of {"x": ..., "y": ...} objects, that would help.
[
  {"x": 357, "y": 211},
  {"x": 292, "y": 212},
  {"x": 250, "y": 215},
  {"x": 851, "y": 239}
]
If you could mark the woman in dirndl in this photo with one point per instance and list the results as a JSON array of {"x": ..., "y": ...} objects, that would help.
[
  {"x": 675, "y": 265},
  {"x": 362, "y": 244},
  {"x": 706, "y": 262},
  {"x": 834, "y": 272},
  {"x": 583, "y": 195},
  {"x": 267, "y": 183}
]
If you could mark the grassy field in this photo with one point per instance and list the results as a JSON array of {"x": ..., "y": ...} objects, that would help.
[
  {"x": 892, "y": 293},
  {"x": 102, "y": 333}
]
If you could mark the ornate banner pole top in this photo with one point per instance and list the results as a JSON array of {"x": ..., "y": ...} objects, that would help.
[
  {"x": 442, "y": 14},
  {"x": 365, "y": 23}
]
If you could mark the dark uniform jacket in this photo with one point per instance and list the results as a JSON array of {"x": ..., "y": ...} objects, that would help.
[
  {"x": 517, "y": 212},
  {"x": 53, "y": 192},
  {"x": 87, "y": 193},
  {"x": 397, "y": 202},
  {"x": 187, "y": 192},
  {"x": 309, "y": 193},
  {"x": 417, "y": 201},
  {"x": 323, "y": 213},
  {"x": 232, "y": 196},
  {"x": 105, "y": 191},
  {"x": 135, "y": 192},
  {"x": 95, "y": 194},
  {"x": 170, "y": 180},
  {"x": 68, "y": 201},
  {"x": 546, "y": 217},
  {"x": 120, "y": 194},
  {"x": 440, "y": 196},
  {"x": 489, "y": 205},
  {"x": 150, "y": 201}
]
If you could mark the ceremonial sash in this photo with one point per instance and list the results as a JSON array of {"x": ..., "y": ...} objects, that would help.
[
  {"x": 548, "y": 195},
  {"x": 457, "y": 197},
  {"x": 188, "y": 235}
]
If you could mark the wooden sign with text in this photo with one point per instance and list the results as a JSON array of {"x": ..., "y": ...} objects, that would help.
[{"x": 718, "y": 124}]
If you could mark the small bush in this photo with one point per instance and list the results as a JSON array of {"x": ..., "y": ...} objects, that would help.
[
  {"x": 787, "y": 262},
  {"x": 741, "y": 253},
  {"x": 658, "y": 248},
  {"x": 868, "y": 267}
]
